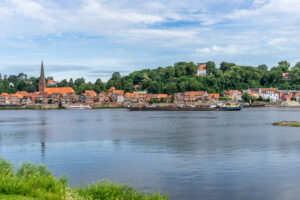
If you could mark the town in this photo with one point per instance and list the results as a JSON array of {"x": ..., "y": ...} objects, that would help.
[{"x": 49, "y": 94}]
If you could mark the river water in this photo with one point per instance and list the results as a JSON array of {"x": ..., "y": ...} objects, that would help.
[{"x": 189, "y": 155}]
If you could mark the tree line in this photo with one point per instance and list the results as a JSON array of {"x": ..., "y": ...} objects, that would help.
[{"x": 178, "y": 78}]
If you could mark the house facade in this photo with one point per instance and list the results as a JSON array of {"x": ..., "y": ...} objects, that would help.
[
  {"x": 235, "y": 95},
  {"x": 201, "y": 69},
  {"x": 269, "y": 93}
]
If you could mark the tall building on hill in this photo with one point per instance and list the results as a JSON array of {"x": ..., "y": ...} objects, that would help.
[
  {"x": 42, "y": 81},
  {"x": 55, "y": 91}
]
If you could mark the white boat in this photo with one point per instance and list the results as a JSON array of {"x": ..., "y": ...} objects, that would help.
[{"x": 78, "y": 107}]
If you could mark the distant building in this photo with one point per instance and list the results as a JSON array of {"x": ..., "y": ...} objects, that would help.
[
  {"x": 201, "y": 69},
  {"x": 195, "y": 96},
  {"x": 269, "y": 93},
  {"x": 287, "y": 76},
  {"x": 235, "y": 95},
  {"x": 53, "y": 95},
  {"x": 288, "y": 95},
  {"x": 253, "y": 92},
  {"x": 52, "y": 83}
]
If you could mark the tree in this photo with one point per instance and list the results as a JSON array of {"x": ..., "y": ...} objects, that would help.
[
  {"x": 128, "y": 87},
  {"x": 211, "y": 67},
  {"x": 79, "y": 81},
  {"x": 246, "y": 97},
  {"x": 170, "y": 88},
  {"x": 297, "y": 66},
  {"x": 263, "y": 67},
  {"x": 226, "y": 66},
  {"x": 284, "y": 66}
]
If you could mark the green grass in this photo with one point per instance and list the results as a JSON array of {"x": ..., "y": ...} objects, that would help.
[
  {"x": 15, "y": 197},
  {"x": 285, "y": 123},
  {"x": 32, "y": 182}
]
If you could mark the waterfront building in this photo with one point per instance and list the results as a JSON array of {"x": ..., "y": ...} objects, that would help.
[
  {"x": 269, "y": 93},
  {"x": 162, "y": 98},
  {"x": 201, "y": 69},
  {"x": 253, "y": 92},
  {"x": 88, "y": 96},
  {"x": 131, "y": 97},
  {"x": 234, "y": 95},
  {"x": 214, "y": 96},
  {"x": 102, "y": 97},
  {"x": 115, "y": 93},
  {"x": 288, "y": 95},
  {"x": 52, "y": 95},
  {"x": 195, "y": 96},
  {"x": 4, "y": 99}
]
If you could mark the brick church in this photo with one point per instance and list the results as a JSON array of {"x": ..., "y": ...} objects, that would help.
[{"x": 53, "y": 94}]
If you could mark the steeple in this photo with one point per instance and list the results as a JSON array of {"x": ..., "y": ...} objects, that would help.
[
  {"x": 42, "y": 82},
  {"x": 42, "y": 71}
]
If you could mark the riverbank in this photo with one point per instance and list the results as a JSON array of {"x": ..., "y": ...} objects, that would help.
[
  {"x": 32, "y": 182},
  {"x": 157, "y": 106}
]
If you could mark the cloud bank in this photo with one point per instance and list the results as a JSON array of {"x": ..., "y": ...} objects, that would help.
[{"x": 133, "y": 34}]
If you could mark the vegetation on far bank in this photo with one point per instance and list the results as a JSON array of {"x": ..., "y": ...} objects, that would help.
[
  {"x": 286, "y": 123},
  {"x": 32, "y": 182},
  {"x": 178, "y": 78}
]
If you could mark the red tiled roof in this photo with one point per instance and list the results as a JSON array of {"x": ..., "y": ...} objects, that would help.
[
  {"x": 230, "y": 92},
  {"x": 119, "y": 92},
  {"x": 61, "y": 90},
  {"x": 91, "y": 92},
  {"x": 20, "y": 96},
  {"x": 201, "y": 67},
  {"x": 286, "y": 74},
  {"x": 131, "y": 95},
  {"x": 111, "y": 89},
  {"x": 215, "y": 95},
  {"x": 194, "y": 93},
  {"x": 160, "y": 96},
  {"x": 275, "y": 90},
  {"x": 51, "y": 81},
  {"x": 24, "y": 93}
]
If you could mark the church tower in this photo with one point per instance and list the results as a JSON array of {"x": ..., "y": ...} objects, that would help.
[{"x": 42, "y": 82}]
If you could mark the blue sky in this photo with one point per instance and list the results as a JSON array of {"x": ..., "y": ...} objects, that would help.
[{"x": 93, "y": 38}]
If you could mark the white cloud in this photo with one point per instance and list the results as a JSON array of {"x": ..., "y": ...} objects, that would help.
[
  {"x": 277, "y": 41},
  {"x": 153, "y": 27},
  {"x": 227, "y": 50}
]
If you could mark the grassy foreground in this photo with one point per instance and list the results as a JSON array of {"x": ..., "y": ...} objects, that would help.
[
  {"x": 32, "y": 182},
  {"x": 285, "y": 123}
]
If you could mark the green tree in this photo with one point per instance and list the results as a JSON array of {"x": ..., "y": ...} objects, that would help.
[
  {"x": 263, "y": 67},
  {"x": 226, "y": 66},
  {"x": 284, "y": 66},
  {"x": 211, "y": 67}
]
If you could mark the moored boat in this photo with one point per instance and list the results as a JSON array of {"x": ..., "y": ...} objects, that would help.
[
  {"x": 230, "y": 107},
  {"x": 79, "y": 107}
]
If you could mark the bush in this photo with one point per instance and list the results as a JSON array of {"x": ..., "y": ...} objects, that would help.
[
  {"x": 106, "y": 191},
  {"x": 38, "y": 182}
]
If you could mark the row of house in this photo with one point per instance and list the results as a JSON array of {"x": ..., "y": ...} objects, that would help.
[
  {"x": 195, "y": 96},
  {"x": 273, "y": 94}
]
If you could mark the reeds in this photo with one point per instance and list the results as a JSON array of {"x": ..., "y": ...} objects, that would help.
[{"x": 37, "y": 182}]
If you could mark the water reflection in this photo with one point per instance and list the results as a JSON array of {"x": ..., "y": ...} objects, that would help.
[{"x": 190, "y": 155}]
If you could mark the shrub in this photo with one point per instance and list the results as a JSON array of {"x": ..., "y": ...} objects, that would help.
[{"x": 38, "y": 182}]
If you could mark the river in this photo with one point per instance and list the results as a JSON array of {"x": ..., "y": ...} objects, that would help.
[{"x": 189, "y": 155}]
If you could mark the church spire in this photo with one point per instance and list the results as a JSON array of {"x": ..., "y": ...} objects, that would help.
[
  {"x": 42, "y": 71},
  {"x": 42, "y": 82}
]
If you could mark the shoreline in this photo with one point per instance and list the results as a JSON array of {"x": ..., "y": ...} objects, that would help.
[{"x": 158, "y": 107}]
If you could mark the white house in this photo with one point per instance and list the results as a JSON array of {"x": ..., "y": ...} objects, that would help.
[
  {"x": 269, "y": 93},
  {"x": 201, "y": 69}
]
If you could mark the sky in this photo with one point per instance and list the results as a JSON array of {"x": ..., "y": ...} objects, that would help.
[{"x": 94, "y": 38}]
